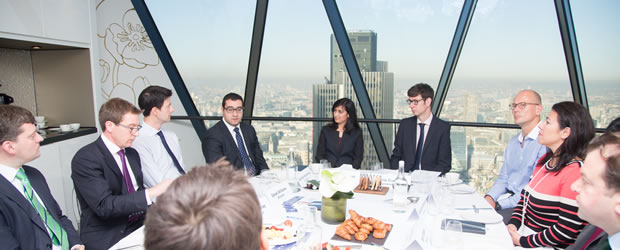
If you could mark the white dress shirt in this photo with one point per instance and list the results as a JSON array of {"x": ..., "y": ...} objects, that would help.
[
  {"x": 157, "y": 165},
  {"x": 427, "y": 125},
  {"x": 114, "y": 151},
  {"x": 234, "y": 136},
  {"x": 9, "y": 174}
]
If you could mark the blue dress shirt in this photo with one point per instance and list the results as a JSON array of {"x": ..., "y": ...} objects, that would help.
[{"x": 519, "y": 163}]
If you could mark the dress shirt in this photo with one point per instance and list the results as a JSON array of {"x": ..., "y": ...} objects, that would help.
[
  {"x": 113, "y": 148},
  {"x": 427, "y": 126},
  {"x": 9, "y": 174},
  {"x": 614, "y": 241},
  {"x": 234, "y": 136},
  {"x": 157, "y": 165},
  {"x": 519, "y": 163}
]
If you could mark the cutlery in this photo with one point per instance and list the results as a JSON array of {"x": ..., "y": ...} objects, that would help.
[{"x": 471, "y": 208}]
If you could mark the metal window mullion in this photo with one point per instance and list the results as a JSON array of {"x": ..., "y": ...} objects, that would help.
[
  {"x": 340, "y": 33},
  {"x": 571, "y": 51},
  {"x": 462, "y": 26},
  {"x": 168, "y": 63},
  {"x": 258, "y": 33}
]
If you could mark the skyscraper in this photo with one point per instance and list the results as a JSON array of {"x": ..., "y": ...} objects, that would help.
[{"x": 379, "y": 85}]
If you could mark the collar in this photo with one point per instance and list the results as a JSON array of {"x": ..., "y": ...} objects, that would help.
[
  {"x": 532, "y": 135},
  {"x": 113, "y": 148},
  {"x": 427, "y": 122},
  {"x": 614, "y": 240},
  {"x": 148, "y": 130},
  {"x": 231, "y": 127},
  {"x": 8, "y": 172}
]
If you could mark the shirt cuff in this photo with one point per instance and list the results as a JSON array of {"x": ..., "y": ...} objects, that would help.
[{"x": 148, "y": 199}]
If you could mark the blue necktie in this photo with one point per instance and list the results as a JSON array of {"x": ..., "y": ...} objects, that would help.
[
  {"x": 418, "y": 150},
  {"x": 244, "y": 154},
  {"x": 174, "y": 159}
]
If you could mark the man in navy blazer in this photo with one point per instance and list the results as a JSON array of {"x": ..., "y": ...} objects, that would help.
[
  {"x": 222, "y": 139},
  {"x": 108, "y": 179},
  {"x": 21, "y": 226},
  {"x": 436, "y": 152}
]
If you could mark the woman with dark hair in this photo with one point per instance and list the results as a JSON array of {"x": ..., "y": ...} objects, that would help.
[
  {"x": 340, "y": 142},
  {"x": 547, "y": 212}
]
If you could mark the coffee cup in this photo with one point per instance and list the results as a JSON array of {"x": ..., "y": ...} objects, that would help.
[
  {"x": 39, "y": 119},
  {"x": 40, "y": 125},
  {"x": 75, "y": 126},
  {"x": 65, "y": 127},
  {"x": 452, "y": 178}
]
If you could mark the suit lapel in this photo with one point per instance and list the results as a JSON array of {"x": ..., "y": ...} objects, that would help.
[
  {"x": 47, "y": 200},
  {"x": 9, "y": 190},
  {"x": 429, "y": 137},
  {"x": 246, "y": 135},
  {"x": 231, "y": 143},
  {"x": 339, "y": 145},
  {"x": 413, "y": 135},
  {"x": 134, "y": 163},
  {"x": 108, "y": 158}
]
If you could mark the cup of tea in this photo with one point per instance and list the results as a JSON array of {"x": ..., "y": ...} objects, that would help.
[{"x": 39, "y": 119}]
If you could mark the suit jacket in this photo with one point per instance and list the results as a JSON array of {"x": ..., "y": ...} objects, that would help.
[
  {"x": 21, "y": 226},
  {"x": 585, "y": 235},
  {"x": 349, "y": 151},
  {"x": 106, "y": 205},
  {"x": 219, "y": 142},
  {"x": 436, "y": 153}
]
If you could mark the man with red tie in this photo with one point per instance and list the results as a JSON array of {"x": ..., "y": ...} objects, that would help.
[{"x": 108, "y": 179}]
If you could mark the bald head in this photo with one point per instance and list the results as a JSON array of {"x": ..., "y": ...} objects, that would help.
[
  {"x": 526, "y": 109},
  {"x": 533, "y": 95}
]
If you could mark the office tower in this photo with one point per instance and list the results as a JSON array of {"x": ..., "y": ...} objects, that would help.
[
  {"x": 364, "y": 43},
  {"x": 379, "y": 85}
]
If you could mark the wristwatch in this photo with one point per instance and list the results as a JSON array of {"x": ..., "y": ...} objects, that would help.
[{"x": 497, "y": 206}]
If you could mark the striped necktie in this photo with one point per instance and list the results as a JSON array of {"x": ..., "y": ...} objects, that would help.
[{"x": 58, "y": 234}]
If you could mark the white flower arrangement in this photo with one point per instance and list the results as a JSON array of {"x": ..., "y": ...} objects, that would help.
[{"x": 337, "y": 183}]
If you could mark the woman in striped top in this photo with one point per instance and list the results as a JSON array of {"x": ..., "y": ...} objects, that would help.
[{"x": 546, "y": 215}]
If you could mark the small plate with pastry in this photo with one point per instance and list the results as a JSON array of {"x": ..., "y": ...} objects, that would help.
[
  {"x": 364, "y": 230},
  {"x": 371, "y": 184}
]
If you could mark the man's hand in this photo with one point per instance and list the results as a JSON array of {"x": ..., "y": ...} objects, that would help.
[
  {"x": 78, "y": 247},
  {"x": 490, "y": 200},
  {"x": 159, "y": 188}
]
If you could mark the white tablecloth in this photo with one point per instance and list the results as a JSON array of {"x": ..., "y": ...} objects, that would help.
[{"x": 405, "y": 230}]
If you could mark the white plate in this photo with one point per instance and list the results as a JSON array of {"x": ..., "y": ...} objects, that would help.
[
  {"x": 462, "y": 189},
  {"x": 278, "y": 241},
  {"x": 484, "y": 216},
  {"x": 445, "y": 183}
]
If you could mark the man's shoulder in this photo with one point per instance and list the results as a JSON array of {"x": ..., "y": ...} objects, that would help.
[
  {"x": 218, "y": 126},
  {"x": 245, "y": 126},
  {"x": 438, "y": 121},
  {"x": 31, "y": 171}
]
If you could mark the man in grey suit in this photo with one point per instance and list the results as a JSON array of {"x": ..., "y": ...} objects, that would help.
[
  {"x": 233, "y": 139},
  {"x": 598, "y": 195},
  {"x": 30, "y": 218},
  {"x": 423, "y": 140}
]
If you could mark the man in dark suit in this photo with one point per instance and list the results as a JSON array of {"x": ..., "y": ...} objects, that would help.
[
  {"x": 108, "y": 179},
  {"x": 433, "y": 152},
  {"x": 234, "y": 140},
  {"x": 598, "y": 194},
  {"x": 30, "y": 218}
]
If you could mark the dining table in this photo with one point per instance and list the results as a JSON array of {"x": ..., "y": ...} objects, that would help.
[{"x": 417, "y": 225}]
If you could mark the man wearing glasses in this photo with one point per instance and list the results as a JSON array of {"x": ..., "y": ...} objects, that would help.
[
  {"x": 422, "y": 141},
  {"x": 108, "y": 182},
  {"x": 234, "y": 140},
  {"x": 521, "y": 154}
]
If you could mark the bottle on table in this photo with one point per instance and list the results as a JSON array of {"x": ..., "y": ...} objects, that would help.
[
  {"x": 291, "y": 170},
  {"x": 401, "y": 187}
]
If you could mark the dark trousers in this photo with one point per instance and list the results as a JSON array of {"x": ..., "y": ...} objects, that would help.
[{"x": 506, "y": 213}]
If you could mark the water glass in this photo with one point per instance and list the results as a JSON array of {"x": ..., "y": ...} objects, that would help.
[
  {"x": 310, "y": 232},
  {"x": 378, "y": 166},
  {"x": 453, "y": 234},
  {"x": 326, "y": 163}
]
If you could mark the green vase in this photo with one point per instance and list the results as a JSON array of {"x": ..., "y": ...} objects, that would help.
[{"x": 333, "y": 210}]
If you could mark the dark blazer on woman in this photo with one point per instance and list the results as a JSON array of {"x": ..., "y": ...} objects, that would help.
[{"x": 349, "y": 151}]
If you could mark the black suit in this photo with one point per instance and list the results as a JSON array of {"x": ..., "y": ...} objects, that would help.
[
  {"x": 350, "y": 150},
  {"x": 21, "y": 227},
  {"x": 219, "y": 142},
  {"x": 105, "y": 202},
  {"x": 436, "y": 153},
  {"x": 584, "y": 236}
]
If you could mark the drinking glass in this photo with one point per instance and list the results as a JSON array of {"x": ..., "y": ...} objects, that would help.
[
  {"x": 310, "y": 231},
  {"x": 325, "y": 163},
  {"x": 377, "y": 167},
  {"x": 453, "y": 233}
]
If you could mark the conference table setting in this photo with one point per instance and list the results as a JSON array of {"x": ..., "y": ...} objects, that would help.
[{"x": 301, "y": 212}]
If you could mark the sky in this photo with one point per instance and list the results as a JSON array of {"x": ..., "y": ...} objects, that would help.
[{"x": 508, "y": 41}]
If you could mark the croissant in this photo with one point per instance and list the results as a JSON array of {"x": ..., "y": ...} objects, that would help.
[
  {"x": 361, "y": 236},
  {"x": 379, "y": 234},
  {"x": 343, "y": 233}
]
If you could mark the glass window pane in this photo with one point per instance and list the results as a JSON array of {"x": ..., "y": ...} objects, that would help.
[
  {"x": 276, "y": 137},
  {"x": 504, "y": 53},
  {"x": 598, "y": 38},
  {"x": 210, "y": 44},
  {"x": 478, "y": 154}
]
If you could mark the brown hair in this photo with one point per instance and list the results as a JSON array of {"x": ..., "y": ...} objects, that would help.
[
  {"x": 422, "y": 89},
  {"x": 608, "y": 145},
  {"x": 13, "y": 117},
  {"x": 114, "y": 109},
  {"x": 210, "y": 207}
]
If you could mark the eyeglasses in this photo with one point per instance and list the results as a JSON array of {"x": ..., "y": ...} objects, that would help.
[
  {"x": 231, "y": 109},
  {"x": 415, "y": 102},
  {"x": 521, "y": 105},
  {"x": 131, "y": 129}
]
